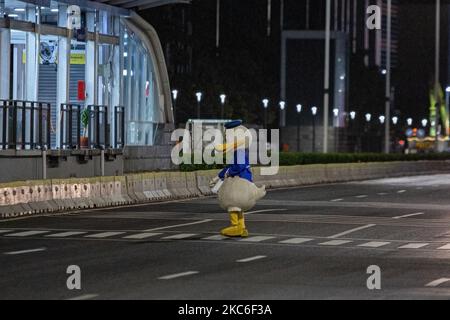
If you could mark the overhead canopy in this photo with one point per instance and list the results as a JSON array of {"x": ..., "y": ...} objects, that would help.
[{"x": 140, "y": 4}]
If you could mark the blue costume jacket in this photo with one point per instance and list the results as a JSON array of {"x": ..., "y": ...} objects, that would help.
[{"x": 240, "y": 168}]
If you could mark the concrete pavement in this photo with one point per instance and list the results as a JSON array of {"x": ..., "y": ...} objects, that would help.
[{"x": 312, "y": 242}]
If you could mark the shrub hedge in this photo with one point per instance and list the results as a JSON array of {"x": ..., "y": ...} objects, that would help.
[{"x": 294, "y": 158}]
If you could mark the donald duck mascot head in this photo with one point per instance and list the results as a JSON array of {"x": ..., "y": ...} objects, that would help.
[{"x": 237, "y": 192}]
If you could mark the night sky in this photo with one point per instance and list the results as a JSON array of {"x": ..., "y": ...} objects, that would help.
[{"x": 247, "y": 64}]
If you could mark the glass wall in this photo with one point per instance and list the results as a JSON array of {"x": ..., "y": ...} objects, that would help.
[{"x": 140, "y": 91}]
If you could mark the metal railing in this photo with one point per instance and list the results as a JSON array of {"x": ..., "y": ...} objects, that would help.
[
  {"x": 25, "y": 124},
  {"x": 119, "y": 127},
  {"x": 98, "y": 127},
  {"x": 68, "y": 130}
]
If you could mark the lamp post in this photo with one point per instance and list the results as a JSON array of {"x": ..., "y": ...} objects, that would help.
[
  {"x": 409, "y": 122},
  {"x": 314, "y": 113},
  {"x": 266, "y": 106},
  {"x": 282, "y": 107},
  {"x": 355, "y": 139},
  {"x": 336, "y": 124},
  {"x": 299, "y": 111},
  {"x": 368, "y": 117},
  {"x": 199, "y": 100},
  {"x": 223, "y": 98},
  {"x": 174, "y": 96}
]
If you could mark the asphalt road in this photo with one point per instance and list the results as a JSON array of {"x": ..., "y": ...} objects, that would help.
[{"x": 305, "y": 243}]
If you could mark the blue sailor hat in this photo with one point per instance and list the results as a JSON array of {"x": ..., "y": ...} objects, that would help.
[{"x": 233, "y": 124}]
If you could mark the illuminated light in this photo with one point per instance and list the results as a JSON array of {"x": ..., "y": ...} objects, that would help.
[
  {"x": 447, "y": 89},
  {"x": 13, "y": 15},
  {"x": 382, "y": 119},
  {"x": 19, "y": 9},
  {"x": 199, "y": 96},
  {"x": 125, "y": 73},
  {"x": 223, "y": 97},
  {"x": 54, "y": 10},
  {"x": 342, "y": 77},
  {"x": 265, "y": 103},
  {"x": 394, "y": 120},
  {"x": 409, "y": 121},
  {"x": 282, "y": 105},
  {"x": 314, "y": 110},
  {"x": 424, "y": 123},
  {"x": 336, "y": 112},
  {"x": 352, "y": 115},
  {"x": 384, "y": 71},
  {"x": 125, "y": 54},
  {"x": 175, "y": 94},
  {"x": 299, "y": 108},
  {"x": 368, "y": 117}
]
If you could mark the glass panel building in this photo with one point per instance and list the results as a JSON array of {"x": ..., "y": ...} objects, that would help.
[{"x": 86, "y": 53}]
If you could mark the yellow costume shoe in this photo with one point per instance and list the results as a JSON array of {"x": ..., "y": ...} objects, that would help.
[{"x": 237, "y": 228}]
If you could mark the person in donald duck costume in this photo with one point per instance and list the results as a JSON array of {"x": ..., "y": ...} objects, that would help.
[{"x": 236, "y": 191}]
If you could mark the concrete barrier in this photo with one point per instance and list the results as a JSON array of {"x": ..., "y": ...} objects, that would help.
[{"x": 42, "y": 196}]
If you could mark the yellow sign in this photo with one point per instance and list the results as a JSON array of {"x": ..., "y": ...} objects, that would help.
[{"x": 75, "y": 58}]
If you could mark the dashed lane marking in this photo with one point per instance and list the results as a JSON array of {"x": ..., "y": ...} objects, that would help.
[
  {"x": 66, "y": 234},
  {"x": 401, "y": 191},
  {"x": 13, "y": 253},
  {"x": 414, "y": 246},
  {"x": 180, "y": 236},
  {"x": 335, "y": 243},
  {"x": 437, "y": 282},
  {"x": 180, "y": 225},
  {"x": 361, "y": 196},
  {"x": 337, "y": 200},
  {"x": 5, "y": 231},
  {"x": 409, "y": 215},
  {"x": 251, "y": 259},
  {"x": 446, "y": 247},
  {"x": 178, "y": 275},
  {"x": 216, "y": 237},
  {"x": 104, "y": 235},
  {"x": 84, "y": 297},
  {"x": 257, "y": 239},
  {"x": 374, "y": 244},
  {"x": 351, "y": 231},
  {"x": 26, "y": 233},
  {"x": 296, "y": 241},
  {"x": 141, "y": 236}
]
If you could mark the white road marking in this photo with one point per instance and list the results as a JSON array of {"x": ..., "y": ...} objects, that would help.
[
  {"x": 251, "y": 259},
  {"x": 12, "y": 253},
  {"x": 382, "y": 194},
  {"x": 265, "y": 210},
  {"x": 178, "y": 275},
  {"x": 180, "y": 236},
  {"x": 179, "y": 225},
  {"x": 216, "y": 237},
  {"x": 362, "y": 196},
  {"x": 414, "y": 246},
  {"x": 409, "y": 215},
  {"x": 336, "y": 200},
  {"x": 334, "y": 243},
  {"x": 446, "y": 247},
  {"x": 257, "y": 239},
  {"x": 104, "y": 235},
  {"x": 5, "y": 231},
  {"x": 84, "y": 297},
  {"x": 351, "y": 231},
  {"x": 374, "y": 244},
  {"x": 437, "y": 282},
  {"x": 65, "y": 234},
  {"x": 142, "y": 235},
  {"x": 25, "y": 233},
  {"x": 401, "y": 191},
  {"x": 296, "y": 241}
]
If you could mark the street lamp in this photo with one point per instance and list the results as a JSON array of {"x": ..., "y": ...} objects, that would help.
[
  {"x": 424, "y": 123},
  {"x": 282, "y": 107},
  {"x": 395, "y": 120},
  {"x": 266, "y": 106},
  {"x": 409, "y": 121},
  {"x": 382, "y": 119},
  {"x": 352, "y": 115},
  {"x": 199, "y": 100},
  {"x": 299, "y": 111},
  {"x": 223, "y": 98},
  {"x": 336, "y": 124},
  {"x": 314, "y": 113},
  {"x": 174, "y": 96}
]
